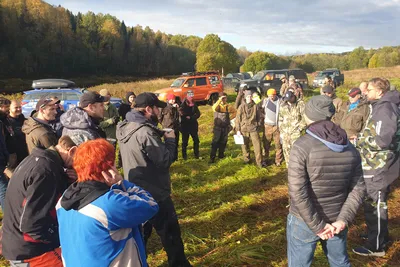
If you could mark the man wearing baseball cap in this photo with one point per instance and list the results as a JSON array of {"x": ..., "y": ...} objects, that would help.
[
  {"x": 355, "y": 115},
  {"x": 271, "y": 107},
  {"x": 329, "y": 90},
  {"x": 37, "y": 129},
  {"x": 82, "y": 123},
  {"x": 146, "y": 160}
]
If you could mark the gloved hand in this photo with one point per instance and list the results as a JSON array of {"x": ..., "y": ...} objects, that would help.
[{"x": 115, "y": 120}]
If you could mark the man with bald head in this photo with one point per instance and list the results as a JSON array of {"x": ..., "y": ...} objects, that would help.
[
  {"x": 17, "y": 120},
  {"x": 364, "y": 89}
]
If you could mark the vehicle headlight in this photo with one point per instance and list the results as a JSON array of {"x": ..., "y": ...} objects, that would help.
[{"x": 162, "y": 96}]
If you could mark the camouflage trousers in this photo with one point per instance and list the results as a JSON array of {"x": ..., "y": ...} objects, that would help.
[
  {"x": 287, "y": 144},
  {"x": 255, "y": 140},
  {"x": 272, "y": 133}
]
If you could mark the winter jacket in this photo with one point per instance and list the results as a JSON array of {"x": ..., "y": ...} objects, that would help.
[
  {"x": 248, "y": 118},
  {"x": 8, "y": 132},
  {"x": 379, "y": 143},
  {"x": 145, "y": 158},
  {"x": 21, "y": 149},
  {"x": 324, "y": 177},
  {"x": 189, "y": 124},
  {"x": 101, "y": 226},
  {"x": 29, "y": 222},
  {"x": 3, "y": 150},
  {"x": 110, "y": 120},
  {"x": 353, "y": 121},
  {"x": 80, "y": 126},
  {"x": 125, "y": 107},
  {"x": 223, "y": 113},
  {"x": 38, "y": 134},
  {"x": 169, "y": 117}
]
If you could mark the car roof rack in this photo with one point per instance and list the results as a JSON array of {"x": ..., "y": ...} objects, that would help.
[
  {"x": 52, "y": 84},
  {"x": 198, "y": 73}
]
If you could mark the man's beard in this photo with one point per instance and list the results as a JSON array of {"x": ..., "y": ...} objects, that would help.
[{"x": 154, "y": 118}]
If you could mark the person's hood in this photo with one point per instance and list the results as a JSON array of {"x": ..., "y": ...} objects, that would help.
[
  {"x": 77, "y": 118},
  {"x": 392, "y": 97},
  {"x": 334, "y": 137},
  {"x": 32, "y": 124},
  {"x": 78, "y": 195},
  {"x": 134, "y": 121},
  {"x": 128, "y": 94},
  {"x": 50, "y": 154}
]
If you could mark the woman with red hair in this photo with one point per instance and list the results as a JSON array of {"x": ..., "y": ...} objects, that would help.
[{"x": 100, "y": 216}]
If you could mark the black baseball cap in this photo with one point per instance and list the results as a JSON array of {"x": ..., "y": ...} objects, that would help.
[
  {"x": 46, "y": 102},
  {"x": 288, "y": 96},
  {"x": 90, "y": 98},
  {"x": 148, "y": 100}
]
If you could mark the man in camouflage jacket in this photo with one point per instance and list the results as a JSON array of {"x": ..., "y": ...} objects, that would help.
[
  {"x": 291, "y": 122},
  {"x": 379, "y": 145}
]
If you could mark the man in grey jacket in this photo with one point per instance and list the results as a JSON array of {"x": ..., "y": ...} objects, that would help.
[
  {"x": 146, "y": 160},
  {"x": 326, "y": 188}
]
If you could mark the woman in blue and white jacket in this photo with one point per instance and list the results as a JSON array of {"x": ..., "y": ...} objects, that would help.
[{"x": 100, "y": 215}]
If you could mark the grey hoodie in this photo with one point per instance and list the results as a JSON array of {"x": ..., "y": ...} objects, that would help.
[{"x": 145, "y": 157}]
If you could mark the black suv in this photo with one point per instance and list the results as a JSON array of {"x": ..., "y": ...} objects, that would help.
[{"x": 267, "y": 79}]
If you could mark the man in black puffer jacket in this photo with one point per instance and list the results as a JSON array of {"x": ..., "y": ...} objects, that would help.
[{"x": 326, "y": 188}]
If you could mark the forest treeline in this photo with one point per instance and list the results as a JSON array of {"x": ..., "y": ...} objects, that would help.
[{"x": 41, "y": 40}]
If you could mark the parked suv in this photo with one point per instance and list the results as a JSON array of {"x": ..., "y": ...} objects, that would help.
[
  {"x": 65, "y": 90},
  {"x": 267, "y": 79},
  {"x": 335, "y": 74},
  {"x": 205, "y": 85}
]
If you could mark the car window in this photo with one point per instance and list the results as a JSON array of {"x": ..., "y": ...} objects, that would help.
[
  {"x": 71, "y": 96},
  {"x": 299, "y": 74},
  {"x": 278, "y": 76},
  {"x": 258, "y": 76},
  {"x": 189, "y": 83},
  {"x": 201, "y": 81},
  {"x": 215, "y": 79},
  {"x": 269, "y": 76},
  {"x": 37, "y": 96},
  {"x": 178, "y": 83}
]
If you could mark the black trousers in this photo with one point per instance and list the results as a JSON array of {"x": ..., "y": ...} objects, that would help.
[
  {"x": 176, "y": 143},
  {"x": 376, "y": 218},
  {"x": 167, "y": 227},
  {"x": 193, "y": 132},
  {"x": 219, "y": 141}
]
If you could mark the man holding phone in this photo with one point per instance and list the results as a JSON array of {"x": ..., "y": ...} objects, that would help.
[{"x": 146, "y": 160}]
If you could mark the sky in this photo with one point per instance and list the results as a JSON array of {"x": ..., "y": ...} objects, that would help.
[{"x": 283, "y": 27}]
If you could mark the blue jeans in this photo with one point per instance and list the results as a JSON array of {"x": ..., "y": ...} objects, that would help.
[
  {"x": 3, "y": 188},
  {"x": 301, "y": 244}
]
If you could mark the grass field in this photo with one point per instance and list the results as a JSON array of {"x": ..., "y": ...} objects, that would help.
[{"x": 234, "y": 214}]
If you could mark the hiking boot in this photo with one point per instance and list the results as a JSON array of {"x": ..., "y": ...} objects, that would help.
[
  {"x": 363, "y": 251},
  {"x": 212, "y": 160}
]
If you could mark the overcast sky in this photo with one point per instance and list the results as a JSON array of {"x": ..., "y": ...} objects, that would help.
[{"x": 281, "y": 27}]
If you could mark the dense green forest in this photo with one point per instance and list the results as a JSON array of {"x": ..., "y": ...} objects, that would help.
[{"x": 40, "y": 40}]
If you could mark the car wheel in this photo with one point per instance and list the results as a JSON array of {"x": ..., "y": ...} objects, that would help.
[{"x": 213, "y": 98}]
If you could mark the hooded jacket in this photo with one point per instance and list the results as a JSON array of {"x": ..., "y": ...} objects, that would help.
[
  {"x": 145, "y": 158},
  {"x": 193, "y": 112},
  {"x": 38, "y": 134},
  {"x": 379, "y": 143},
  {"x": 109, "y": 219},
  {"x": 107, "y": 124},
  {"x": 248, "y": 117},
  {"x": 169, "y": 117},
  {"x": 29, "y": 222},
  {"x": 324, "y": 177},
  {"x": 223, "y": 113},
  {"x": 353, "y": 121},
  {"x": 80, "y": 126},
  {"x": 21, "y": 148}
]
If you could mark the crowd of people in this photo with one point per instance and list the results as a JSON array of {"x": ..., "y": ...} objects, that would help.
[{"x": 60, "y": 187}]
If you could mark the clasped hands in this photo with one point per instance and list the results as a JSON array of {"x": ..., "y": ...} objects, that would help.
[{"x": 331, "y": 229}]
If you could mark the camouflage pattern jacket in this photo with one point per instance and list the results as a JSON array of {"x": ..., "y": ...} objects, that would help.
[
  {"x": 291, "y": 118},
  {"x": 379, "y": 142}
]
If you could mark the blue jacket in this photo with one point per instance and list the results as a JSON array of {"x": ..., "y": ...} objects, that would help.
[{"x": 101, "y": 226}]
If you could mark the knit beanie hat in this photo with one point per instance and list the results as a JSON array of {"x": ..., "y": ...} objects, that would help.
[{"x": 319, "y": 108}]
